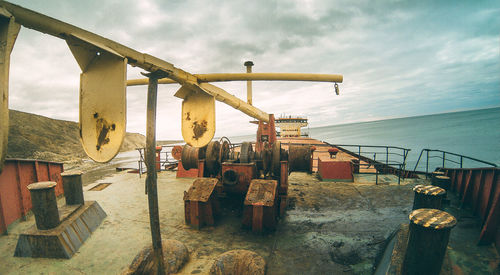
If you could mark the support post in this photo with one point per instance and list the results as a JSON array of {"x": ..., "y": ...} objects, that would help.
[
  {"x": 43, "y": 198},
  {"x": 151, "y": 178},
  {"x": 249, "y": 65}
]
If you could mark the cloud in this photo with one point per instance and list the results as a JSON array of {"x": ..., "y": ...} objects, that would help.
[{"x": 398, "y": 58}]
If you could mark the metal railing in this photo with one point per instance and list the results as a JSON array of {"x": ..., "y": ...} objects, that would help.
[
  {"x": 442, "y": 155},
  {"x": 165, "y": 160},
  {"x": 384, "y": 154}
]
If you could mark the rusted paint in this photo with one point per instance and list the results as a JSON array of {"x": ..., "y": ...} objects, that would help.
[
  {"x": 17, "y": 175},
  {"x": 480, "y": 190},
  {"x": 199, "y": 128},
  {"x": 102, "y": 129}
]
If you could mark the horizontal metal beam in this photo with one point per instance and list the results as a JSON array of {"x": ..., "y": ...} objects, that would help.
[
  {"x": 49, "y": 25},
  {"x": 222, "y": 77}
]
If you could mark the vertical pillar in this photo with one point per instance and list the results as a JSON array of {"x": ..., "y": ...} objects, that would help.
[
  {"x": 72, "y": 185},
  {"x": 428, "y": 196},
  {"x": 427, "y": 241},
  {"x": 249, "y": 65},
  {"x": 43, "y": 199}
]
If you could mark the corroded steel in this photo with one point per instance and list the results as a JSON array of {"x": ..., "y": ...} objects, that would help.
[
  {"x": 246, "y": 152},
  {"x": 427, "y": 241},
  {"x": 276, "y": 158},
  {"x": 102, "y": 103},
  {"x": 300, "y": 158},
  {"x": 72, "y": 184},
  {"x": 198, "y": 118},
  {"x": 43, "y": 198},
  {"x": 177, "y": 152},
  {"x": 428, "y": 196},
  {"x": 9, "y": 30},
  {"x": 212, "y": 158},
  {"x": 191, "y": 155}
]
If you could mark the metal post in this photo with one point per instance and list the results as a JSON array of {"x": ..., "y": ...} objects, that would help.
[
  {"x": 461, "y": 161},
  {"x": 72, "y": 185},
  {"x": 386, "y": 155},
  {"x": 151, "y": 177},
  {"x": 444, "y": 157},
  {"x": 427, "y": 165},
  {"x": 249, "y": 65},
  {"x": 43, "y": 198}
]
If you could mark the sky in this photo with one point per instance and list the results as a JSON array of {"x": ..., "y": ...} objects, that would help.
[{"x": 398, "y": 58}]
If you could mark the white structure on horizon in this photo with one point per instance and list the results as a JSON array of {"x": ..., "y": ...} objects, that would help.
[{"x": 291, "y": 126}]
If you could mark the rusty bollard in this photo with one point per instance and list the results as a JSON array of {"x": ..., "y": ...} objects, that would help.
[
  {"x": 428, "y": 196},
  {"x": 427, "y": 241},
  {"x": 437, "y": 173},
  {"x": 441, "y": 181},
  {"x": 72, "y": 185},
  {"x": 43, "y": 199}
]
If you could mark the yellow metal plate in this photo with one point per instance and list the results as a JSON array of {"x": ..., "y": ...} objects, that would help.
[
  {"x": 8, "y": 34},
  {"x": 198, "y": 118},
  {"x": 103, "y": 106}
]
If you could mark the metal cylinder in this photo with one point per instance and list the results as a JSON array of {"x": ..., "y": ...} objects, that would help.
[
  {"x": 191, "y": 155},
  {"x": 72, "y": 185},
  {"x": 428, "y": 196},
  {"x": 43, "y": 199},
  {"x": 441, "y": 181},
  {"x": 427, "y": 241},
  {"x": 299, "y": 158},
  {"x": 230, "y": 177}
]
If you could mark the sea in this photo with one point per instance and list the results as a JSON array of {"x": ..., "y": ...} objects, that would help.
[{"x": 474, "y": 134}]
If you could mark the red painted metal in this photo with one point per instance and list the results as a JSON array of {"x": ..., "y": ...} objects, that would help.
[
  {"x": 15, "y": 198},
  {"x": 158, "y": 159},
  {"x": 479, "y": 189},
  {"x": 283, "y": 183},
  {"x": 245, "y": 171},
  {"x": 183, "y": 173},
  {"x": 335, "y": 170},
  {"x": 265, "y": 132}
]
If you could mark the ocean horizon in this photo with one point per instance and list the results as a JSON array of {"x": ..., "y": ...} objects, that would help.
[{"x": 472, "y": 133}]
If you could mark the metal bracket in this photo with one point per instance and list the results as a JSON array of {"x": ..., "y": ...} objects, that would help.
[
  {"x": 102, "y": 98},
  {"x": 198, "y": 117},
  {"x": 9, "y": 30}
]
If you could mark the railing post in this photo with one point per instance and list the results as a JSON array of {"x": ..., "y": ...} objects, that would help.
[
  {"x": 444, "y": 158},
  {"x": 386, "y": 155},
  {"x": 427, "y": 164},
  {"x": 461, "y": 161}
]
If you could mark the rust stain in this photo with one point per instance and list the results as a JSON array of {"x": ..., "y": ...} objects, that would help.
[
  {"x": 102, "y": 128},
  {"x": 199, "y": 129},
  {"x": 188, "y": 116}
]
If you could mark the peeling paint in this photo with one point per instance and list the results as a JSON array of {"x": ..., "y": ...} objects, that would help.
[
  {"x": 102, "y": 128},
  {"x": 199, "y": 129}
]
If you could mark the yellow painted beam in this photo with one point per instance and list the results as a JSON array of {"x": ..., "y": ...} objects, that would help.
[{"x": 222, "y": 77}]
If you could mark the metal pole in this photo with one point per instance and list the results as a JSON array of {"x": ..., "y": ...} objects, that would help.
[
  {"x": 151, "y": 177},
  {"x": 427, "y": 165},
  {"x": 386, "y": 155},
  {"x": 444, "y": 157},
  {"x": 249, "y": 65}
]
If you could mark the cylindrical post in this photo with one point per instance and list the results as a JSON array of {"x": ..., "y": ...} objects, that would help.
[
  {"x": 72, "y": 185},
  {"x": 441, "y": 181},
  {"x": 151, "y": 178},
  {"x": 427, "y": 241},
  {"x": 43, "y": 199},
  {"x": 249, "y": 65},
  {"x": 428, "y": 196}
]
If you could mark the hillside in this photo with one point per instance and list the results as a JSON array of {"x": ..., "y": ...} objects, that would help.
[{"x": 37, "y": 137}]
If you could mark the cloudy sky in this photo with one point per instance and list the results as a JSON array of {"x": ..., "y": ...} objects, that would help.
[{"x": 398, "y": 58}]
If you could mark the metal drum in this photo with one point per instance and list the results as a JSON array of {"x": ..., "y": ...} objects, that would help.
[
  {"x": 299, "y": 158},
  {"x": 191, "y": 155}
]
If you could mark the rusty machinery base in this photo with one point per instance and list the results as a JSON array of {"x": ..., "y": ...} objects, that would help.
[{"x": 78, "y": 223}]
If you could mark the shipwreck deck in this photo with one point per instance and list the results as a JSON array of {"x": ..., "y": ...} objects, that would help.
[{"x": 329, "y": 228}]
